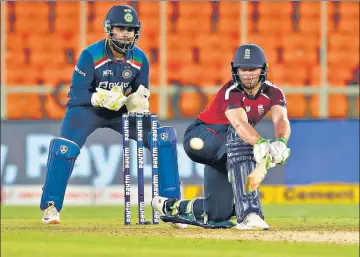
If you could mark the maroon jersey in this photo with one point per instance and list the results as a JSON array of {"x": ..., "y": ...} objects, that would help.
[{"x": 230, "y": 96}]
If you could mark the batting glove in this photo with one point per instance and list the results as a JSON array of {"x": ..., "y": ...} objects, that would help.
[
  {"x": 261, "y": 148},
  {"x": 280, "y": 152}
]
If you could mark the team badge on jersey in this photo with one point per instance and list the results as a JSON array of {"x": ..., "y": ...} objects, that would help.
[
  {"x": 247, "y": 108},
  {"x": 126, "y": 74},
  {"x": 261, "y": 109}
]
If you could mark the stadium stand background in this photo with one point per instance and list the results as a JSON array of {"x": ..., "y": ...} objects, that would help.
[{"x": 312, "y": 50}]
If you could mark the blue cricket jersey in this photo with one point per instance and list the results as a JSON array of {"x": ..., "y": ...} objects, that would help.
[{"x": 98, "y": 67}]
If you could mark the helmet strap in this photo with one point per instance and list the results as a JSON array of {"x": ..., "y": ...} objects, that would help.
[{"x": 117, "y": 53}]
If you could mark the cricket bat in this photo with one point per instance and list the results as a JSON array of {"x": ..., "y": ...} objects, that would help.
[{"x": 256, "y": 176}]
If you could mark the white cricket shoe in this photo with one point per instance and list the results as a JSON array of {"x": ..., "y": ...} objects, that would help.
[
  {"x": 51, "y": 215},
  {"x": 253, "y": 222},
  {"x": 158, "y": 204}
]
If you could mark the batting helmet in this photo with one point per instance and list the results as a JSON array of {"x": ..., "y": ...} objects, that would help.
[{"x": 249, "y": 56}]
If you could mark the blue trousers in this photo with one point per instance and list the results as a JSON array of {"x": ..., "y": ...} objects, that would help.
[
  {"x": 79, "y": 122},
  {"x": 214, "y": 151},
  {"x": 218, "y": 196}
]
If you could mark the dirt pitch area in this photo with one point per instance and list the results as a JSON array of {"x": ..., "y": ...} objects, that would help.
[
  {"x": 334, "y": 237},
  {"x": 296, "y": 236}
]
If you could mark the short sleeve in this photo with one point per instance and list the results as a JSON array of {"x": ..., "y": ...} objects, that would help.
[
  {"x": 277, "y": 97},
  {"x": 231, "y": 99}
]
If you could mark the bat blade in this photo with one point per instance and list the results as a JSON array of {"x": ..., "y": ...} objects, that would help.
[{"x": 256, "y": 176}]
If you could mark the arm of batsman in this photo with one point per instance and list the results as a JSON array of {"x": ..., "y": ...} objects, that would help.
[
  {"x": 139, "y": 100},
  {"x": 279, "y": 151}
]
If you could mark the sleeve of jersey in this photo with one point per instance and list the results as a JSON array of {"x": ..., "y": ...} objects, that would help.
[
  {"x": 143, "y": 76},
  {"x": 82, "y": 78},
  {"x": 230, "y": 102},
  {"x": 278, "y": 97}
]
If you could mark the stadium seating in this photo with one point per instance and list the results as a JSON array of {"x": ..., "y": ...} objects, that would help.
[
  {"x": 43, "y": 39},
  {"x": 24, "y": 106}
]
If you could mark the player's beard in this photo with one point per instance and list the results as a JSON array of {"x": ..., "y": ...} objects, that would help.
[
  {"x": 121, "y": 45},
  {"x": 251, "y": 83}
]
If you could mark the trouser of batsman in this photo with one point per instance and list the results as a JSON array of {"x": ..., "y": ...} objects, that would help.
[{"x": 228, "y": 160}]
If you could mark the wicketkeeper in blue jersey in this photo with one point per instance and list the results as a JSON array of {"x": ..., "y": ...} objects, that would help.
[{"x": 111, "y": 78}]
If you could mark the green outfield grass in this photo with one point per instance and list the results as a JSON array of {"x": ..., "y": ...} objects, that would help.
[{"x": 99, "y": 231}]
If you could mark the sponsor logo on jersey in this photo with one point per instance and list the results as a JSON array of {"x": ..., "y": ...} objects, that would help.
[
  {"x": 79, "y": 71},
  {"x": 109, "y": 85},
  {"x": 107, "y": 73}
]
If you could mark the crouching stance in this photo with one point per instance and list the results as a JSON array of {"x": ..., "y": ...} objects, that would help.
[
  {"x": 230, "y": 118},
  {"x": 110, "y": 79}
]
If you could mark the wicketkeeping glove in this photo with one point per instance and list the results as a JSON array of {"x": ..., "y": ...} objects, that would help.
[
  {"x": 138, "y": 101},
  {"x": 112, "y": 100},
  {"x": 280, "y": 152},
  {"x": 115, "y": 100},
  {"x": 99, "y": 98}
]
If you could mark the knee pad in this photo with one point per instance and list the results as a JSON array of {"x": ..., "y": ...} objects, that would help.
[
  {"x": 61, "y": 159},
  {"x": 169, "y": 183}
]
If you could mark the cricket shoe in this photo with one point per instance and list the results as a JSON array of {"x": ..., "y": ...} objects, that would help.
[
  {"x": 253, "y": 222},
  {"x": 158, "y": 203},
  {"x": 51, "y": 215}
]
